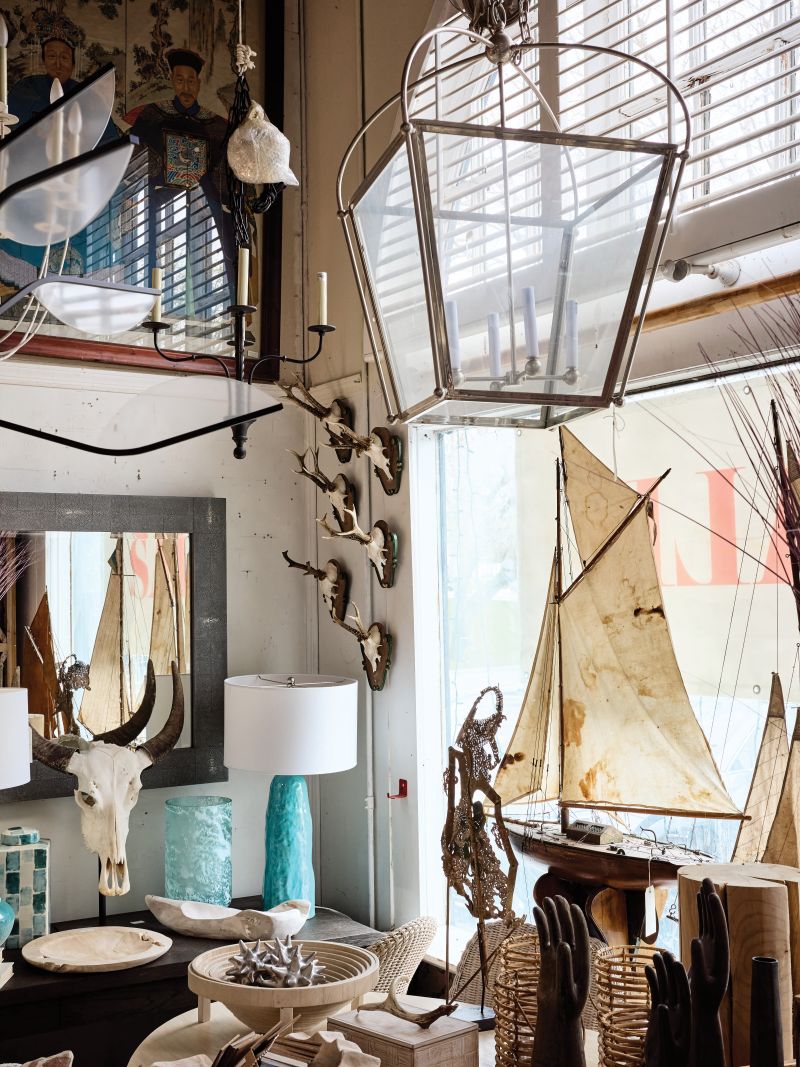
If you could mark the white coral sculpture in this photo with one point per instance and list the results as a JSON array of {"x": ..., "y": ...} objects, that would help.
[{"x": 278, "y": 965}]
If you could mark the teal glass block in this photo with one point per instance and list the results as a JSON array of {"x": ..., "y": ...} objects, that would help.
[
  {"x": 40, "y": 881},
  {"x": 288, "y": 873},
  {"x": 12, "y": 862},
  {"x": 40, "y": 858},
  {"x": 197, "y": 849},
  {"x": 12, "y": 882}
]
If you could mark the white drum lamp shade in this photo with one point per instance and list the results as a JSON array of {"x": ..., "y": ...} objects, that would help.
[
  {"x": 289, "y": 726},
  {"x": 15, "y": 746},
  {"x": 274, "y": 727}
]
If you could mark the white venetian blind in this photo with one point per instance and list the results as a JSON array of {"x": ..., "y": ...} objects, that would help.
[{"x": 735, "y": 61}]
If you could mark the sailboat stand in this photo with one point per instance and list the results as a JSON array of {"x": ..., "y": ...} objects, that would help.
[{"x": 606, "y": 723}]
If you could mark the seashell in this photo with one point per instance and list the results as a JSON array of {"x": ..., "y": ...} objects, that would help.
[{"x": 258, "y": 152}]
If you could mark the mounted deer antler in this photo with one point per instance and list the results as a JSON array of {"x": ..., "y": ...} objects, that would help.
[
  {"x": 376, "y": 647},
  {"x": 380, "y": 543},
  {"x": 336, "y": 419},
  {"x": 341, "y": 491},
  {"x": 383, "y": 449},
  {"x": 334, "y": 583}
]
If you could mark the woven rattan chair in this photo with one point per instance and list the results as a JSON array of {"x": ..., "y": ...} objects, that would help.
[
  {"x": 495, "y": 934},
  {"x": 401, "y": 952}
]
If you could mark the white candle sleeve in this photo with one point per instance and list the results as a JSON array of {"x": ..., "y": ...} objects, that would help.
[
  {"x": 243, "y": 277},
  {"x": 55, "y": 142},
  {"x": 453, "y": 340},
  {"x": 494, "y": 345},
  {"x": 322, "y": 317},
  {"x": 156, "y": 282},
  {"x": 571, "y": 334},
  {"x": 3, "y": 61},
  {"x": 531, "y": 325}
]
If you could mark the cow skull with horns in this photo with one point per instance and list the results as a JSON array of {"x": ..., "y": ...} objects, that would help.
[{"x": 109, "y": 773}]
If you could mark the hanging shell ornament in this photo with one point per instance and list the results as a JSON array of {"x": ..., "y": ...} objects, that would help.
[
  {"x": 258, "y": 152},
  {"x": 278, "y": 965}
]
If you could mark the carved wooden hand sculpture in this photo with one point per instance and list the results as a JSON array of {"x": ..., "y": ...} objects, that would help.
[
  {"x": 563, "y": 984},
  {"x": 668, "y": 1039},
  {"x": 708, "y": 979}
]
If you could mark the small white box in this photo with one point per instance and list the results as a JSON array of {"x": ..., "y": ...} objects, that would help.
[{"x": 397, "y": 1043}]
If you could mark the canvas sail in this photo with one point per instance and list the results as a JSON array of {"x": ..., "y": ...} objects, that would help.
[
  {"x": 163, "y": 640},
  {"x": 530, "y": 765},
  {"x": 765, "y": 788},
  {"x": 783, "y": 843},
  {"x": 631, "y": 739},
  {"x": 106, "y": 704},
  {"x": 598, "y": 502},
  {"x": 38, "y": 668}
]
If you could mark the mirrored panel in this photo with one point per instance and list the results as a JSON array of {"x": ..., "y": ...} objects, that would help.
[{"x": 89, "y": 610}]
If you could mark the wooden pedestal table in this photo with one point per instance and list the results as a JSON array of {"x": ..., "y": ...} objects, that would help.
[{"x": 762, "y": 905}]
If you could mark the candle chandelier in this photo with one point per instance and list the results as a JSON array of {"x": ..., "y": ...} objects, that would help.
[
  {"x": 503, "y": 264},
  {"x": 54, "y": 180}
]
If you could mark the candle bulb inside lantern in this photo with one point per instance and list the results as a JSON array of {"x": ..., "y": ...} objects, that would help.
[
  {"x": 3, "y": 61},
  {"x": 322, "y": 318},
  {"x": 55, "y": 144},
  {"x": 529, "y": 320},
  {"x": 243, "y": 277},
  {"x": 571, "y": 341},
  {"x": 157, "y": 282},
  {"x": 453, "y": 340},
  {"x": 494, "y": 346}
]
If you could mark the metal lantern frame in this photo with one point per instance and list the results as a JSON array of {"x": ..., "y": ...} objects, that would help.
[{"x": 553, "y": 406}]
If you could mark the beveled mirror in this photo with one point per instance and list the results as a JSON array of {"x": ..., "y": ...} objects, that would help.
[{"x": 106, "y": 583}]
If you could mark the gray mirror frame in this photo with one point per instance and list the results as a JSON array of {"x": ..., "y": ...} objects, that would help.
[{"x": 204, "y": 519}]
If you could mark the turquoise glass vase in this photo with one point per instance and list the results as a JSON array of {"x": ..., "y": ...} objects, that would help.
[
  {"x": 7, "y": 920},
  {"x": 288, "y": 873},
  {"x": 197, "y": 849}
]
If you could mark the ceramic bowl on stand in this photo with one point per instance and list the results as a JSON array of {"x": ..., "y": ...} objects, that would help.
[{"x": 350, "y": 972}]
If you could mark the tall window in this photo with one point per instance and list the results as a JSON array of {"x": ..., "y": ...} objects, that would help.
[{"x": 731, "y": 620}]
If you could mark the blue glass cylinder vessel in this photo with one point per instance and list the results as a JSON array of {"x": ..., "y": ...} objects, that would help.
[
  {"x": 197, "y": 849},
  {"x": 288, "y": 872},
  {"x": 7, "y": 920}
]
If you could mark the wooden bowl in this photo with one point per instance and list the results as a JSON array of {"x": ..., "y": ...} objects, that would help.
[{"x": 350, "y": 972}]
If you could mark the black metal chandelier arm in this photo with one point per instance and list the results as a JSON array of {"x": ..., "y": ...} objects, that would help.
[
  {"x": 319, "y": 330},
  {"x": 194, "y": 357}
]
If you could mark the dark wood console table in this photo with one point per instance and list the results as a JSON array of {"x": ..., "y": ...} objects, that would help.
[{"x": 103, "y": 1017}]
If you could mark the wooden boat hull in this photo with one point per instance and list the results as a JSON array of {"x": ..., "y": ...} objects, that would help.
[{"x": 596, "y": 865}]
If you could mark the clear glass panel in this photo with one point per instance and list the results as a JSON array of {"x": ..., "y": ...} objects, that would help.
[
  {"x": 387, "y": 229},
  {"x": 61, "y": 204},
  {"x": 72, "y": 127},
  {"x": 537, "y": 246},
  {"x": 132, "y": 418},
  {"x": 95, "y": 309}
]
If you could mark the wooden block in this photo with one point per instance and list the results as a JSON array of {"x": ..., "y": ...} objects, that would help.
[
  {"x": 762, "y": 904},
  {"x": 397, "y": 1043}
]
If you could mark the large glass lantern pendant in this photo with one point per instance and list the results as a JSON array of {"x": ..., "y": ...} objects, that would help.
[{"x": 503, "y": 265}]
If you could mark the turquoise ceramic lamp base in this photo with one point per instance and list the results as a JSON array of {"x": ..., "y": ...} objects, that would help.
[{"x": 288, "y": 873}]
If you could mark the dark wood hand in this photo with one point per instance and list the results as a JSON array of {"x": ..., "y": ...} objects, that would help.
[
  {"x": 708, "y": 979},
  {"x": 668, "y": 1039},
  {"x": 563, "y": 984}
]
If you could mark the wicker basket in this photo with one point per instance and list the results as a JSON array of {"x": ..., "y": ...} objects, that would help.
[
  {"x": 623, "y": 1004},
  {"x": 515, "y": 990}
]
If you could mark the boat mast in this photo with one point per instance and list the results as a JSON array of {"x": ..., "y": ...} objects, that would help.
[
  {"x": 789, "y": 512},
  {"x": 558, "y": 588}
]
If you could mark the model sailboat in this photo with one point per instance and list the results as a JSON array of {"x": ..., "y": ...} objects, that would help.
[{"x": 606, "y": 723}]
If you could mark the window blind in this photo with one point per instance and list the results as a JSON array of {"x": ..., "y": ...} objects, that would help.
[{"x": 735, "y": 61}]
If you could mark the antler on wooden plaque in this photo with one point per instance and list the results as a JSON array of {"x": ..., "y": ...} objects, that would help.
[
  {"x": 341, "y": 491},
  {"x": 376, "y": 647},
  {"x": 383, "y": 449},
  {"x": 336, "y": 418},
  {"x": 334, "y": 584},
  {"x": 380, "y": 543}
]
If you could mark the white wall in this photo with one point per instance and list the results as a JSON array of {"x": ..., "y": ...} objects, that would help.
[{"x": 266, "y": 613}]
